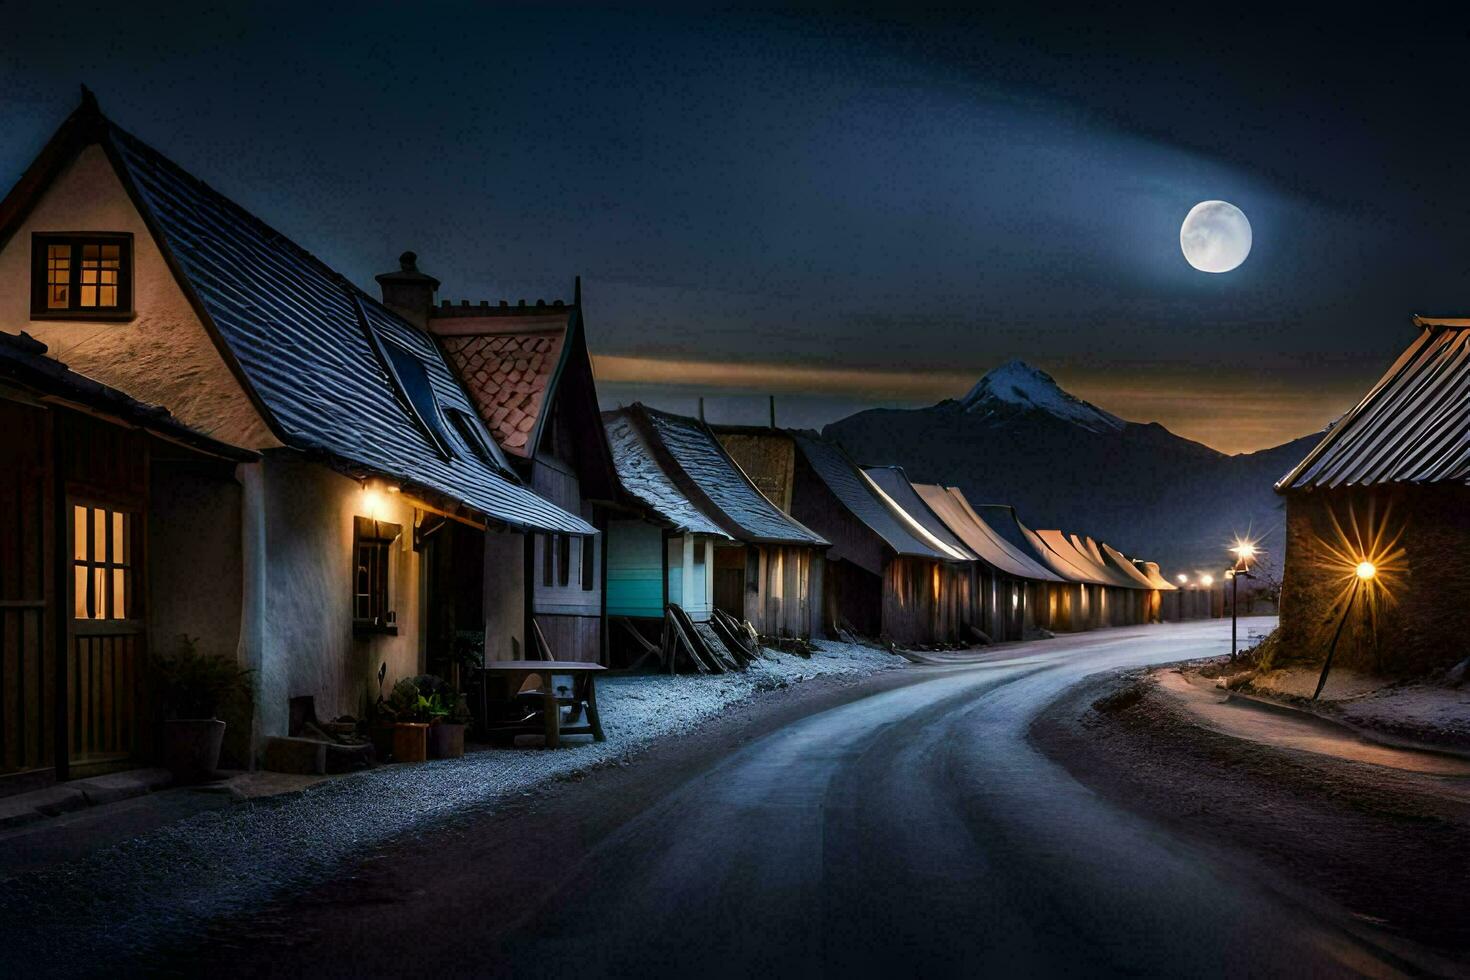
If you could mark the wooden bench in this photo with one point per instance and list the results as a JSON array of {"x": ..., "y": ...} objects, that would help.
[{"x": 511, "y": 675}]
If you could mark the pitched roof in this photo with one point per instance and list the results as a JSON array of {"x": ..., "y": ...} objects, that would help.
[
  {"x": 1061, "y": 552},
  {"x": 509, "y": 362},
  {"x": 642, "y": 477},
  {"x": 857, "y": 492},
  {"x": 25, "y": 364},
  {"x": 1411, "y": 427},
  {"x": 319, "y": 358},
  {"x": 902, "y": 497},
  {"x": 702, "y": 469},
  {"x": 1124, "y": 565},
  {"x": 1150, "y": 569},
  {"x": 952, "y": 507}
]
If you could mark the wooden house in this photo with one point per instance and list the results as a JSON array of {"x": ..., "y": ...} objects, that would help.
[
  {"x": 528, "y": 372},
  {"x": 1070, "y": 603},
  {"x": 1013, "y": 592},
  {"x": 1387, "y": 491},
  {"x": 884, "y": 577},
  {"x": 661, "y": 544},
  {"x": 106, "y": 530},
  {"x": 771, "y": 567},
  {"x": 303, "y": 558}
]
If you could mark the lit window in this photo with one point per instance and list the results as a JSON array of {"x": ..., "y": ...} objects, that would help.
[
  {"x": 102, "y": 563},
  {"x": 81, "y": 276},
  {"x": 372, "y": 550}
]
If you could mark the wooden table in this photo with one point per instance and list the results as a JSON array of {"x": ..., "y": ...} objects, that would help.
[{"x": 583, "y": 697}]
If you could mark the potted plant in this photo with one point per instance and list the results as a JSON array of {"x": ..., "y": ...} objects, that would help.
[
  {"x": 191, "y": 688},
  {"x": 446, "y": 735},
  {"x": 411, "y": 726}
]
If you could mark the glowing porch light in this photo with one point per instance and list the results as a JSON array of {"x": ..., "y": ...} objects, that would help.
[
  {"x": 1207, "y": 580},
  {"x": 1366, "y": 570}
]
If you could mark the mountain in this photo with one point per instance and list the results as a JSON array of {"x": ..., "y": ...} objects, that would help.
[{"x": 1017, "y": 437}]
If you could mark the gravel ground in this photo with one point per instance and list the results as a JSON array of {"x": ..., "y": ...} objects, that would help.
[
  {"x": 168, "y": 884},
  {"x": 1385, "y": 844}
]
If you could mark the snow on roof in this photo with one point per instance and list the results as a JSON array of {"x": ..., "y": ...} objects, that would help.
[
  {"x": 717, "y": 481},
  {"x": 893, "y": 484},
  {"x": 951, "y": 506},
  {"x": 1017, "y": 383},
  {"x": 855, "y": 491},
  {"x": 644, "y": 479}
]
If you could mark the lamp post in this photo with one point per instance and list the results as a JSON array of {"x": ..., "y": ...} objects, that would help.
[
  {"x": 1244, "y": 551},
  {"x": 1365, "y": 573}
]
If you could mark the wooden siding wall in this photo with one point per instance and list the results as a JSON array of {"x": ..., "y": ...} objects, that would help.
[
  {"x": 920, "y": 601},
  {"x": 635, "y": 568},
  {"x": 852, "y": 598},
  {"x": 781, "y": 603},
  {"x": 572, "y": 637},
  {"x": 27, "y": 592}
]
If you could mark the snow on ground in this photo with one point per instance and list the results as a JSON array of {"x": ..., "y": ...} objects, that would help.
[
  {"x": 1431, "y": 713},
  {"x": 167, "y": 884}
]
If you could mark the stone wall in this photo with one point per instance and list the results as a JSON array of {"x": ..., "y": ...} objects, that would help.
[{"x": 1415, "y": 616}]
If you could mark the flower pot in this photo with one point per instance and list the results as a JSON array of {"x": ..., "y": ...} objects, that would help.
[
  {"x": 190, "y": 747},
  {"x": 446, "y": 740},
  {"x": 410, "y": 741}
]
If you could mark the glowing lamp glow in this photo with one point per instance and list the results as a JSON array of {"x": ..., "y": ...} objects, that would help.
[
  {"x": 1366, "y": 570},
  {"x": 1182, "y": 579},
  {"x": 373, "y": 503},
  {"x": 1207, "y": 580}
]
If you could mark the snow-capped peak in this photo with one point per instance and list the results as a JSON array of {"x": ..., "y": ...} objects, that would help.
[{"x": 1019, "y": 385}]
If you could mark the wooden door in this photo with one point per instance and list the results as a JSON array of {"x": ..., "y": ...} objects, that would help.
[{"x": 106, "y": 650}]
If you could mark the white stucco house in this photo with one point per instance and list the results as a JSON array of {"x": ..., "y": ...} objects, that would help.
[{"x": 304, "y": 555}]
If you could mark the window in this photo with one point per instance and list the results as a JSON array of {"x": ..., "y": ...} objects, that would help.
[
  {"x": 564, "y": 559},
  {"x": 102, "y": 562},
  {"x": 372, "y": 550},
  {"x": 413, "y": 380},
  {"x": 589, "y": 562},
  {"x": 547, "y": 541},
  {"x": 82, "y": 276}
]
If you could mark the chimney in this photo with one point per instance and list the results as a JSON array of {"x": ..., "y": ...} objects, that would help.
[{"x": 409, "y": 292}]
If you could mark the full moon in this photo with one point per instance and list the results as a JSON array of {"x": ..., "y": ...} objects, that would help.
[{"x": 1215, "y": 236}]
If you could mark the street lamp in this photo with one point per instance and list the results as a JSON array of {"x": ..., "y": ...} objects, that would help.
[
  {"x": 1363, "y": 574},
  {"x": 1243, "y": 551}
]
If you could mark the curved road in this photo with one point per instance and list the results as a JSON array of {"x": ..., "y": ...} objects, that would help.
[{"x": 913, "y": 832}]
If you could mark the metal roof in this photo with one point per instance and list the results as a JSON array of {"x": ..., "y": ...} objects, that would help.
[
  {"x": 952, "y": 507},
  {"x": 857, "y": 492},
  {"x": 308, "y": 346},
  {"x": 1083, "y": 568},
  {"x": 645, "y": 480},
  {"x": 1124, "y": 565},
  {"x": 1412, "y": 427},
  {"x": 708, "y": 469},
  {"x": 903, "y": 497}
]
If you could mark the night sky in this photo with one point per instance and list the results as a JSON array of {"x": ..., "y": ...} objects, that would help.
[{"x": 846, "y": 210}]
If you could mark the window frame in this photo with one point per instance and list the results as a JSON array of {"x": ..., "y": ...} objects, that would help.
[
  {"x": 76, "y": 240},
  {"x": 381, "y": 537},
  {"x": 108, "y": 563}
]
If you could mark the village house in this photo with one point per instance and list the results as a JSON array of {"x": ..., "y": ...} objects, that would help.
[
  {"x": 328, "y": 444},
  {"x": 1378, "y": 519},
  {"x": 885, "y": 578},
  {"x": 724, "y": 544},
  {"x": 1015, "y": 593},
  {"x": 527, "y": 369}
]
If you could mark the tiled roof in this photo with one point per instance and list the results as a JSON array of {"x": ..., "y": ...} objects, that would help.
[
  {"x": 743, "y": 510},
  {"x": 1412, "y": 427},
  {"x": 642, "y": 477},
  {"x": 857, "y": 493},
  {"x": 304, "y": 340},
  {"x": 508, "y": 364}
]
